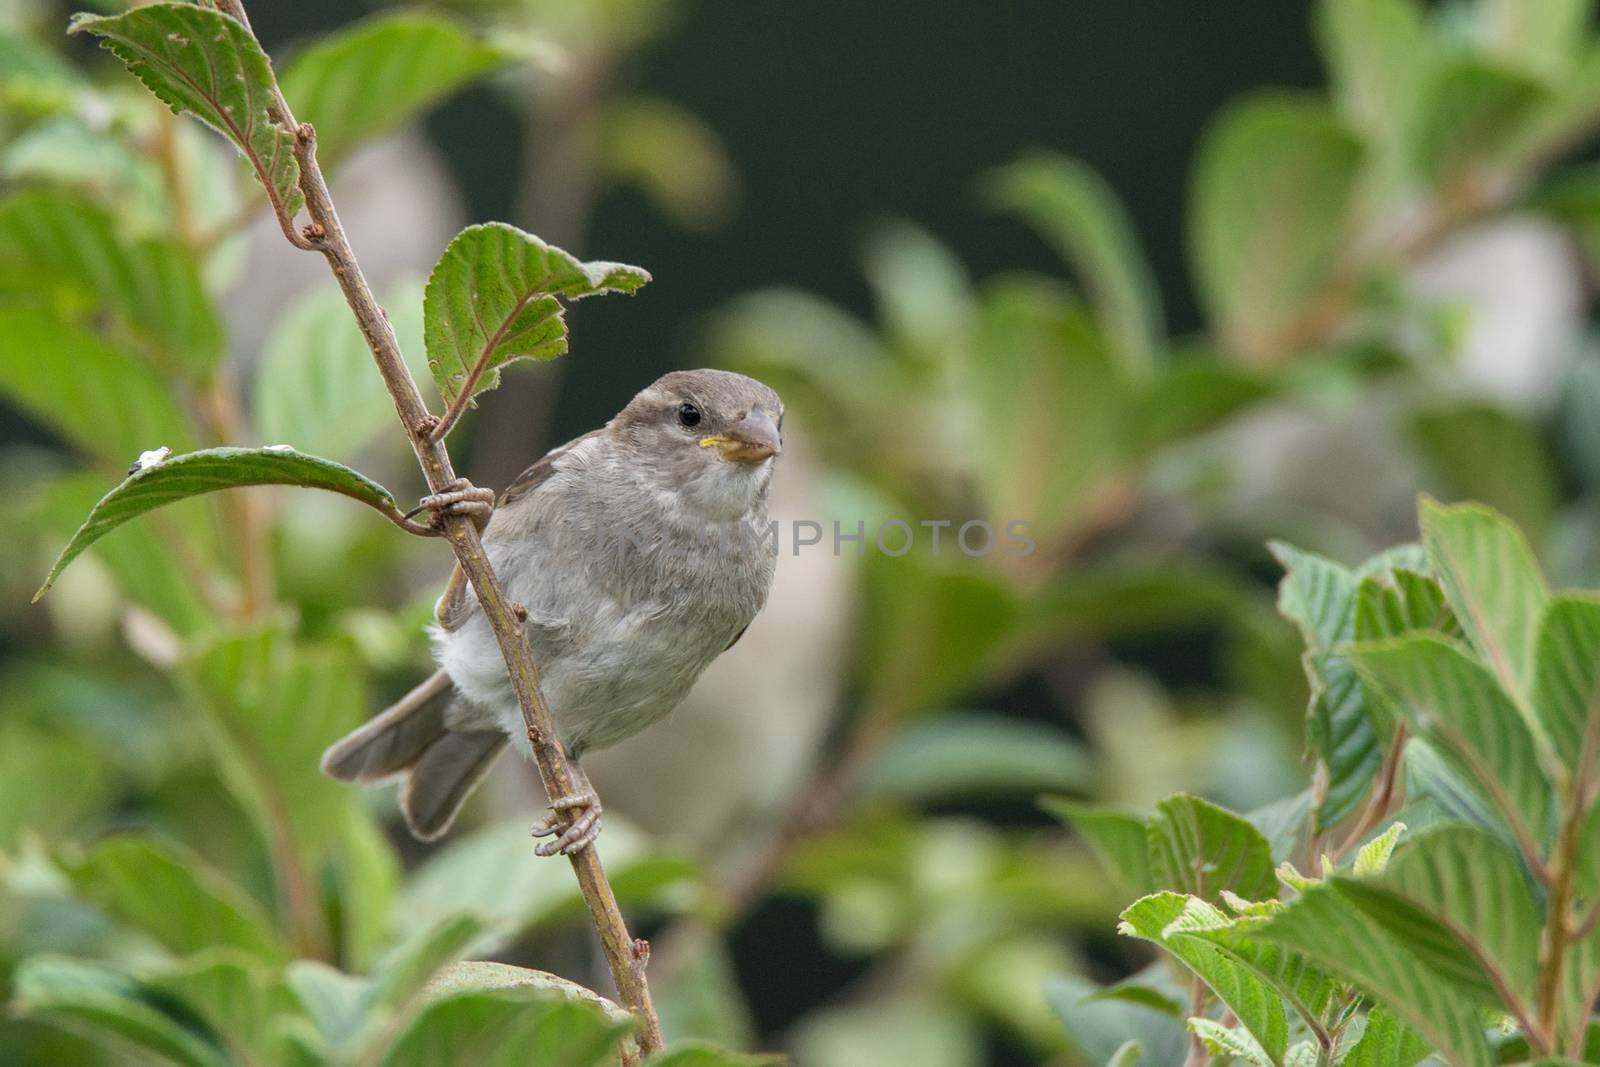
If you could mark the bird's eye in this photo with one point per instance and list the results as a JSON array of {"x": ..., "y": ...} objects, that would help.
[{"x": 689, "y": 415}]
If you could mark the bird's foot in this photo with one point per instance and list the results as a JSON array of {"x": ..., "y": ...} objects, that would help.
[
  {"x": 458, "y": 497},
  {"x": 577, "y": 832}
]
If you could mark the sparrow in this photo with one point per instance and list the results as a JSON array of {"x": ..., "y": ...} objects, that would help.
[{"x": 639, "y": 552}]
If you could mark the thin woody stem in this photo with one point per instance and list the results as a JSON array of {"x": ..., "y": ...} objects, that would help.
[{"x": 625, "y": 955}]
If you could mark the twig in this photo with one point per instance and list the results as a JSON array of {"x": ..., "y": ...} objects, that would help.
[
  {"x": 1382, "y": 798},
  {"x": 325, "y": 234}
]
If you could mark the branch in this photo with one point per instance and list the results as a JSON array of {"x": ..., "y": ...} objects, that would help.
[{"x": 625, "y": 955}]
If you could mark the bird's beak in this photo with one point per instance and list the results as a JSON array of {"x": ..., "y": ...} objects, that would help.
[{"x": 750, "y": 440}]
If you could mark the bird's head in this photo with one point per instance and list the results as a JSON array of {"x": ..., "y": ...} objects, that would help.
[{"x": 711, "y": 436}]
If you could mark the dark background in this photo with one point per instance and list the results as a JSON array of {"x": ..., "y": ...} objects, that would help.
[{"x": 838, "y": 113}]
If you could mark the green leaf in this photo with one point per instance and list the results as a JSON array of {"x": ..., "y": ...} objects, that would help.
[
  {"x": 172, "y": 897},
  {"x": 1493, "y": 584},
  {"x": 1304, "y": 988},
  {"x": 1156, "y": 918},
  {"x": 1403, "y": 603},
  {"x": 58, "y": 243},
  {"x": 491, "y": 299},
  {"x": 922, "y": 292},
  {"x": 1202, "y": 849},
  {"x": 1128, "y": 1054},
  {"x": 1459, "y": 899},
  {"x": 1470, "y": 116},
  {"x": 506, "y": 1029},
  {"x": 1327, "y": 927},
  {"x": 1490, "y": 455},
  {"x": 376, "y": 75},
  {"x": 240, "y": 1003},
  {"x": 413, "y": 964},
  {"x": 1229, "y": 1042},
  {"x": 1377, "y": 52},
  {"x": 1386, "y": 1042},
  {"x": 705, "y": 1054},
  {"x": 271, "y": 707},
  {"x": 1119, "y": 839},
  {"x": 671, "y": 155},
  {"x": 106, "y": 403},
  {"x": 964, "y": 754},
  {"x": 1319, "y": 597},
  {"x": 492, "y": 873},
  {"x": 202, "y": 61},
  {"x": 98, "y": 999},
  {"x": 482, "y": 975},
  {"x": 1449, "y": 698},
  {"x": 1272, "y": 188},
  {"x": 1373, "y": 856},
  {"x": 154, "y": 570},
  {"x": 1081, "y": 216},
  {"x": 1189, "y": 396},
  {"x": 317, "y": 385},
  {"x": 934, "y": 630},
  {"x": 1101, "y": 1027},
  {"x": 1051, "y": 399},
  {"x": 1543, "y": 39},
  {"x": 1566, "y": 684},
  {"x": 207, "y": 471}
]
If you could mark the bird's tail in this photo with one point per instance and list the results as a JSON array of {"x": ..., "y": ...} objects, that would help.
[{"x": 441, "y": 766}]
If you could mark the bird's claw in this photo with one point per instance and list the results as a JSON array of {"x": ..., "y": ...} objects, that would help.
[
  {"x": 574, "y": 835},
  {"x": 459, "y": 497}
]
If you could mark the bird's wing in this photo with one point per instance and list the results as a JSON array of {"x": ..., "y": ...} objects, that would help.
[{"x": 457, "y": 603}]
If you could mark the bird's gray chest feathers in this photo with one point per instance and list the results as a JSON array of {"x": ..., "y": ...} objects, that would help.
[{"x": 632, "y": 590}]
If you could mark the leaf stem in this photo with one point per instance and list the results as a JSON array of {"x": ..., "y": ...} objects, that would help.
[
  {"x": 1382, "y": 799},
  {"x": 626, "y": 956}
]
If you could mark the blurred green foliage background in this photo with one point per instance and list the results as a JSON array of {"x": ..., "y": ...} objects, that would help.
[{"x": 1164, "y": 282}]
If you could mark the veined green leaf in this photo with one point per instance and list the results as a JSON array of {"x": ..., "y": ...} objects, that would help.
[
  {"x": 1405, "y": 602},
  {"x": 507, "y": 1028},
  {"x": 102, "y": 400},
  {"x": 1386, "y": 1042},
  {"x": 1272, "y": 188},
  {"x": 412, "y": 964},
  {"x": 1077, "y": 212},
  {"x": 1202, "y": 849},
  {"x": 1450, "y": 699},
  {"x": 1119, "y": 839},
  {"x": 202, "y": 61},
  {"x": 207, "y": 471},
  {"x": 1477, "y": 917},
  {"x": 484, "y": 975},
  {"x": 1304, "y": 987},
  {"x": 1230, "y": 1042},
  {"x": 1155, "y": 918},
  {"x": 374, "y": 76},
  {"x": 1319, "y": 597},
  {"x": 1373, "y": 856},
  {"x": 110, "y": 1004},
  {"x": 1327, "y": 927},
  {"x": 492, "y": 298},
  {"x": 1566, "y": 683},
  {"x": 52, "y": 240},
  {"x": 1494, "y": 586}
]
